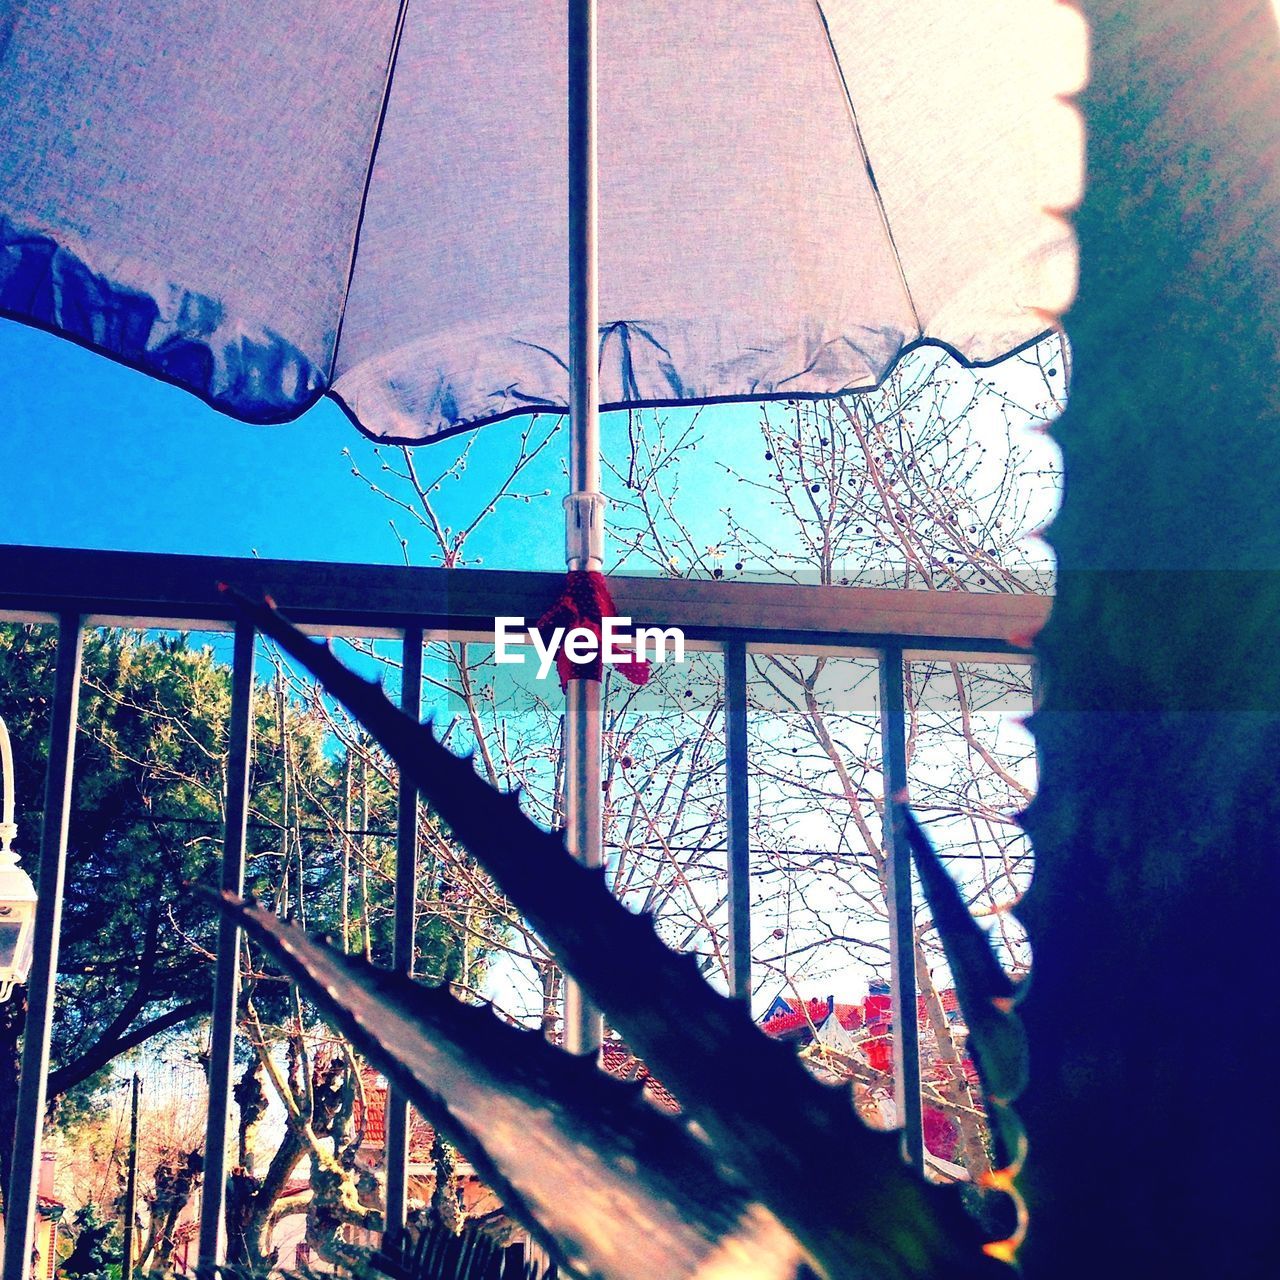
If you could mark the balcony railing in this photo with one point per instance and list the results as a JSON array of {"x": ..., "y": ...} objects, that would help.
[{"x": 78, "y": 589}]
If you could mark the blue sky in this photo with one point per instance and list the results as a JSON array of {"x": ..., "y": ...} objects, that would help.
[
  {"x": 93, "y": 454},
  {"x": 96, "y": 455}
]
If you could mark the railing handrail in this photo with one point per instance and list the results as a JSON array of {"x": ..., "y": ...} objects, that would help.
[{"x": 154, "y": 589}]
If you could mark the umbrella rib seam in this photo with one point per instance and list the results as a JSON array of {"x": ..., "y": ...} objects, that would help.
[
  {"x": 392, "y": 57},
  {"x": 866, "y": 164}
]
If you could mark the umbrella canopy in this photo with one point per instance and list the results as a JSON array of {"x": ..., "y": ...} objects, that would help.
[{"x": 268, "y": 202}]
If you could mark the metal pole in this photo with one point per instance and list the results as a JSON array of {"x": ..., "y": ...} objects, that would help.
[
  {"x": 406, "y": 895},
  {"x": 738, "y": 836},
  {"x": 584, "y": 506},
  {"x": 1037, "y": 701},
  {"x": 902, "y": 954},
  {"x": 226, "y": 977},
  {"x": 20, "y": 1201},
  {"x": 131, "y": 1186}
]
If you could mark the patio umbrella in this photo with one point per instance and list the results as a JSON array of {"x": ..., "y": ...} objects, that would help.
[{"x": 366, "y": 199}]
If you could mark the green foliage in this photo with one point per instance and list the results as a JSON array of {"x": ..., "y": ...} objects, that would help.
[
  {"x": 90, "y": 1256},
  {"x": 1151, "y": 1013},
  {"x": 147, "y": 802},
  {"x": 147, "y": 820}
]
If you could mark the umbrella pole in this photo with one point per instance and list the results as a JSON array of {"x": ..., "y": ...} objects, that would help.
[{"x": 584, "y": 506}]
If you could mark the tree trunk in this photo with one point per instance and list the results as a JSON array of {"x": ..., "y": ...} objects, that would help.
[{"x": 955, "y": 1087}]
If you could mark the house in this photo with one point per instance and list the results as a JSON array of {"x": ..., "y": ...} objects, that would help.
[
  {"x": 618, "y": 1060},
  {"x": 371, "y": 1108},
  {"x": 855, "y": 1041},
  {"x": 49, "y": 1211}
]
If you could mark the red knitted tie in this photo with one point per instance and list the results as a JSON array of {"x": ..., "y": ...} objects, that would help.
[{"x": 586, "y": 602}]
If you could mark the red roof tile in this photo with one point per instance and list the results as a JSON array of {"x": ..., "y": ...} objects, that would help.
[
  {"x": 619, "y": 1061},
  {"x": 421, "y": 1134}
]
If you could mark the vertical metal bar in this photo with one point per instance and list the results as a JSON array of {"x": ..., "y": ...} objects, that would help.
[
  {"x": 584, "y": 304},
  {"x": 131, "y": 1187},
  {"x": 584, "y": 824},
  {"x": 20, "y": 1200},
  {"x": 226, "y": 977},
  {"x": 406, "y": 896},
  {"x": 584, "y": 506},
  {"x": 738, "y": 835},
  {"x": 1037, "y": 685},
  {"x": 1037, "y": 701},
  {"x": 902, "y": 957}
]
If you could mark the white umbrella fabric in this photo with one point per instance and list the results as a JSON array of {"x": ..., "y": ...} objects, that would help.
[{"x": 367, "y": 198}]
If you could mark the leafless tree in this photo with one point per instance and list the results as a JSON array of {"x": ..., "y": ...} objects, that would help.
[{"x": 932, "y": 482}]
